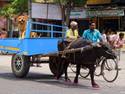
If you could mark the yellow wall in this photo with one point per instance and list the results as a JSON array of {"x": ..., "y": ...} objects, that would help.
[{"x": 98, "y": 1}]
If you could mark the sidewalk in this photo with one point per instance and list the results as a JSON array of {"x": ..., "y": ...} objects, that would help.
[{"x": 122, "y": 60}]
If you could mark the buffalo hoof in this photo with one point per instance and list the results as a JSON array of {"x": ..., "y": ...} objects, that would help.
[
  {"x": 76, "y": 80},
  {"x": 95, "y": 86},
  {"x": 56, "y": 78},
  {"x": 68, "y": 80}
]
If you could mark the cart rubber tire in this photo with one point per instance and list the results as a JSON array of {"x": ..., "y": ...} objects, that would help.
[
  {"x": 20, "y": 65},
  {"x": 54, "y": 62}
]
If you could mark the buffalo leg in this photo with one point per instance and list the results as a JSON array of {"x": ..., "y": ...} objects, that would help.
[
  {"x": 65, "y": 69},
  {"x": 77, "y": 73},
  {"x": 92, "y": 70}
]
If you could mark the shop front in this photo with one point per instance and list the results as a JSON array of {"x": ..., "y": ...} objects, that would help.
[{"x": 111, "y": 18}]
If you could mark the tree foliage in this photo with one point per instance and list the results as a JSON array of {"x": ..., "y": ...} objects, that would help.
[
  {"x": 67, "y": 5},
  {"x": 15, "y": 7},
  {"x": 74, "y": 2},
  {"x": 7, "y": 11},
  {"x": 20, "y": 5}
]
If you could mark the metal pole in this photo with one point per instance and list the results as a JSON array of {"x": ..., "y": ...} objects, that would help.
[
  {"x": 29, "y": 8},
  {"x": 119, "y": 23}
]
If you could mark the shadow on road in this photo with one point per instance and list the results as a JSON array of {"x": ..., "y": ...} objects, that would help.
[{"x": 44, "y": 78}]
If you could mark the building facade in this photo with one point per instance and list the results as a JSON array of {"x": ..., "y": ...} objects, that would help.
[{"x": 108, "y": 13}]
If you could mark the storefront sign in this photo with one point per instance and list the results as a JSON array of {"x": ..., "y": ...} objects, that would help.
[
  {"x": 105, "y": 13},
  {"x": 78, "y": 13}
]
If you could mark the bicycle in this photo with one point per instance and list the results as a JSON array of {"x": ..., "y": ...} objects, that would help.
[
  {"x": 84, "y": 72},
  {"x": 108, "y": 68}
]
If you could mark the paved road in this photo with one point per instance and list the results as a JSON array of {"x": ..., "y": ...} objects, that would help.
[{"x": 41, "y": 81}]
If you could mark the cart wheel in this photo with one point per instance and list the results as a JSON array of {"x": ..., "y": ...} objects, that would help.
[
  {"x": 54, "y": 65},
  {"x": 20, "y": 65}
]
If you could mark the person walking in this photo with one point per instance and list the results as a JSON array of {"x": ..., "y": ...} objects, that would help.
[
  {"x": 118, "y": 44},
  {"x": 120, "y": 41},
  {"x": 112, "y": 38},
  {"x": 3, "y": 33},
  {"x": 104, "y": 36}
]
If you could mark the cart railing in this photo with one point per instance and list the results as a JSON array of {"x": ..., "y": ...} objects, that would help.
[{"x": 46, "y": 30}]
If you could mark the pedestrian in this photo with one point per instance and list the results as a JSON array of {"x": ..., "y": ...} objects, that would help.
[
  {"x": 104, "y": 36},
  {"x": 72, "y": 33},
  {"x": 118, "y": 44},
  {"x": 92, "y": 33},
  {"x": 112, "y": 38},
  {"x": 108, "y": 33},
  {"x": 3, "y": 33},
  {"x": 120, "y": 41}
]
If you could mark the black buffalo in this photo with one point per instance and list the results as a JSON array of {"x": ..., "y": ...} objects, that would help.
[{"x": 85, "y": 58}]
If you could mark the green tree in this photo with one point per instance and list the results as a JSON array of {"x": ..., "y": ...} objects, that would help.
[
  {"x": 7, "y": 11},
  {"x": 66, "y": 6},
  {"x": 15, "y": 7},
  {"x": 19, "y": 6}
]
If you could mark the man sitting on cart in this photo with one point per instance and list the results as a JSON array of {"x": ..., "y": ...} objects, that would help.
[
  {"x": 92, "y": 34},
  {"x": 72, "y": 33}
]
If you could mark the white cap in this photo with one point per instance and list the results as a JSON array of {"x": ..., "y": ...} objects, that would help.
[{"x": 73, "y": 23}]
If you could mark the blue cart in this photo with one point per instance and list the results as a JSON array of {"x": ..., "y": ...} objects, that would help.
[{"x": 29, "y": 50}]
